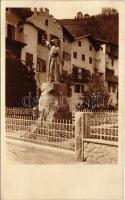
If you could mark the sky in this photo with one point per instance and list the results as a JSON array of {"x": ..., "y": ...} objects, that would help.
[{"x": 68, "y": 9}]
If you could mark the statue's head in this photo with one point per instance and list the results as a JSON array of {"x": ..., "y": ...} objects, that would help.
[{"x": 54, "y": 42}]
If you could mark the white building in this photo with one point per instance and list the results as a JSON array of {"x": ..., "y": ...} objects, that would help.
[
  {"x": 88, "y": 54},
  {"x": 48, "y": 28}
]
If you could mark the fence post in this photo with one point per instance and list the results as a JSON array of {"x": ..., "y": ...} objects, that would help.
[{"x": 81, "y": 132}]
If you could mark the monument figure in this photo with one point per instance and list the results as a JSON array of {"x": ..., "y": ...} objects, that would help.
[
  {"x": 50, "y": 107},
  {"x": 54, "y": 60}
]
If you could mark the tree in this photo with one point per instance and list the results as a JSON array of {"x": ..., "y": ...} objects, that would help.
[
  {"x": 20, "y": 81},
  {"x": 96, "y": 97}
]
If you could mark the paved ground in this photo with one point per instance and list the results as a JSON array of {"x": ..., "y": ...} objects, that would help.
[{"x": 27, "y": 155}]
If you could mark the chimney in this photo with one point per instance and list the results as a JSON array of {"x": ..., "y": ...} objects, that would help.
[
  {"x": 41, "y": 10},
  {"x": 35, "y": 10},
  {"x": 79, "y": 15},
  {"x": 46, "y": 10}
]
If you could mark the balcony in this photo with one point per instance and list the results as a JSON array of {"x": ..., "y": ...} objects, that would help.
[
  {"x": 81, "y": 77},
  {"x": 110, "y": 77},
  {"x": 78, "y": 78},
  {"x": 15, "y": 36},
  {"x": 13, "y": 42},
  {"x": 113, "y": 79}
]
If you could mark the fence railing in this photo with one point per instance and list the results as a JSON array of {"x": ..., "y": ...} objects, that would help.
[
  {"x": 103, "y": 125},
  {"x": 19, "y": 111},
  {"x": 104, "y": 132},
  {"x": 58, "y": 133},
  {"x": 91, "y": 127}
]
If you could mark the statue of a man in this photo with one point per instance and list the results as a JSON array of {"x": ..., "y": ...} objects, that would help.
[{"x": 53, "y": 61}]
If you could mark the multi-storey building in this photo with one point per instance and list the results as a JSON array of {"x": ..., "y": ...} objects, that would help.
[
  {"x": 15, "y": 64},
  {"x": 15, "y": 41},
  {"x": 47, "y": 28},
  {"x": 88, "y": 54},
  {"x": 109, "y": 11},
  {"x": 30, "y": 29}
]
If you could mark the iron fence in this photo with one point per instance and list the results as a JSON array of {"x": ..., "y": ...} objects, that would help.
[
  {"x": 19, "y": 111},
  {"x": 103, "y": 126},
  {"x": 20, "y": 125},
  {"x": 57, "y": 133}
]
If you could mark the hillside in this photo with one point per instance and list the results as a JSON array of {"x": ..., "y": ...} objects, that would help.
[{"x": 103, "y": 27}]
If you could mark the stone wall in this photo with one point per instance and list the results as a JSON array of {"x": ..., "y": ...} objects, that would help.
[{"x": 100, "y": 153}]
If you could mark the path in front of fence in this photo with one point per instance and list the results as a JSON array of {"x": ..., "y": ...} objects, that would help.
[{"x": 28, "y": 154}]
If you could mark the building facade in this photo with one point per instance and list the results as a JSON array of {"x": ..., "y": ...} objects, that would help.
[
  {"x": 20, "y": 80},
  {"x": 47, "y": 28},
  {"x": 87, "y": 56}
]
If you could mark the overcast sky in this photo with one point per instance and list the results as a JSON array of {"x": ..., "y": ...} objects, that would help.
[{"x": 68, "y": 9}]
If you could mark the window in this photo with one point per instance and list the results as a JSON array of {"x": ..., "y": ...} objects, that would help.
[
  {"x": 75, "y": 72},
  {"x": 39, "y": 38},
  {"x": 114, "y": 88},
  {"x": 8, "y": 53},
  {"x": 79, "y": 43},
  {"x": 66, "y": 56},
  {"x": 21, "y": 30},
  {"x": 46, "y": 22},
  {"x": 10, "y": 31},
  {"x": 112, "y": 62},
  {"x": 109, "y": 89},
  {"x": 41, "y": 35},
  {"x": 41, "y": 65},
  {"x": 77, "y": 88},
  {"x": 90, "y": 60},
  {"x": 82, "y": 89},
  {"x": 83, "y": 57},
  {"x": 29, "y": 59},
  {"x": 90, "y": 48},
  {"x": 64, "y": 40},
  {"x": 109, "y": 72},
  {"x": 75, "y": 55}
]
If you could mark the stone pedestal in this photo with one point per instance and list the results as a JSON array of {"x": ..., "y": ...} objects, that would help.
[{"x": 53, "y": 102}]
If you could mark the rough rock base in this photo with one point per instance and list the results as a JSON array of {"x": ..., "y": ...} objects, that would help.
[{"x": 53, "y": 103}]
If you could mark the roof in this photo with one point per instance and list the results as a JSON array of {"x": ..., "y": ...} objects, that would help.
[
  {"x": 93, "y": 40},
  {"x": 69, "y": 35},
  {"x": 71, "y": 38},
  {"x": 83, "y": 36},
  {"x": 104, "y": 27},
  {"x": 30, "y": 23}
]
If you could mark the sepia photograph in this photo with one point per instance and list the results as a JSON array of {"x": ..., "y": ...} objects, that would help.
[
  {"x": 62, "y": 90},
  {"x": 62, "y": 86}
]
